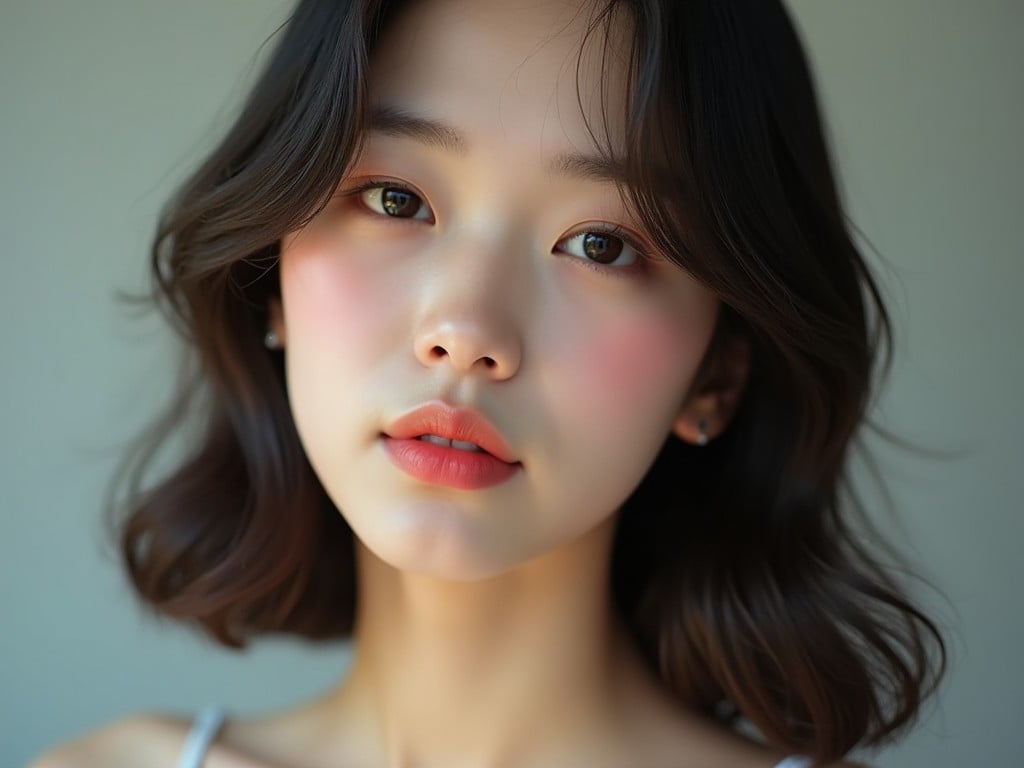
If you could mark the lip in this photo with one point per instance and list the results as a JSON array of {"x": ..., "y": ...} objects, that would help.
[{"x": 444, "y": 465}]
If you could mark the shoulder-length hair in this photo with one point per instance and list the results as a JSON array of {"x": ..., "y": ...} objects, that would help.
[{"x": 738, "y": 577}]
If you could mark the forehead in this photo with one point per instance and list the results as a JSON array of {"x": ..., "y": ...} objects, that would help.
[{"x": 521, "y": 68}]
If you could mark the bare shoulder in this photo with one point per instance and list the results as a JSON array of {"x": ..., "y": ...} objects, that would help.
[{"x": 121, "y": 744}]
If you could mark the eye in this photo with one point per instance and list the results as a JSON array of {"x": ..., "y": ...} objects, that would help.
[
  {"x": 601, "y": 247},
  {"x": 395, "y": 201}
]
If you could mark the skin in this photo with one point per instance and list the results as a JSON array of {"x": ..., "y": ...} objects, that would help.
[
  {"x": 485, "y": 635},
  {"x": 382, "y": 315}
]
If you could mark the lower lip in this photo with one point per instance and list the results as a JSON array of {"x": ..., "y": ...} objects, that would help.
[{"x": 440, "y": 465}]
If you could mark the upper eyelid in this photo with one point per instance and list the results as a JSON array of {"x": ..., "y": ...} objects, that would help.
[{"x": 373, "y": 183}]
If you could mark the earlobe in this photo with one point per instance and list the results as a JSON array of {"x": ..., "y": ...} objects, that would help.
[
  {"x": 694, "y": 429},
  {"x": 718, "y": 392},
  {"x": 275, "y": 336},
  {"x": 702, "y": 435}
]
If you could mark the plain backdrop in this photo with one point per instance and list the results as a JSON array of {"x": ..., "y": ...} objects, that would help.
[{"x": 105, "y": 104}]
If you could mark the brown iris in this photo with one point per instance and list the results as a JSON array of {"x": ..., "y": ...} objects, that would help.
[
  {"x": 602, "y": 248},
  {"x": 399, "y": 203}
]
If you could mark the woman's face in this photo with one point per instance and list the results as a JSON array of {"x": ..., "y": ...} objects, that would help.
[{"x": 476, "y": 277}]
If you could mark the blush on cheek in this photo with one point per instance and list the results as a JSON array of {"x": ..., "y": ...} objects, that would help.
[
  {"x": 633, "y": 362},
  {"x": 326, "y": 300}
]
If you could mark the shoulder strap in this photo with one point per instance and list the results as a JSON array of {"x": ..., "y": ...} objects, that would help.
[
  {"x": 204, "y": 730},
  {"x": 794, "y": 761}
]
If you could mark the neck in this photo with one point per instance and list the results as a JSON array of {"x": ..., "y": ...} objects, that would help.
[{"x": 512, "y": 669}]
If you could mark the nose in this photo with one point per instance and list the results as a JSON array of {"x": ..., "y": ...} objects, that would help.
[
  {"x": 468, "y": 347},
  {"x": 468, "y": 320}
]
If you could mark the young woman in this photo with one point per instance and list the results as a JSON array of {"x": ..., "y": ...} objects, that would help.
[{"x": 530, "y": 345}]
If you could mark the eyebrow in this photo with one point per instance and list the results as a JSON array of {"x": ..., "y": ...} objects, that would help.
[
  {"x": 402, "y": 124},
  {"x": 593, "y": 167},
  {"x": 435, "y": 133}
]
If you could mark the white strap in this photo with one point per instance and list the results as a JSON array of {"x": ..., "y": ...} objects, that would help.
[
  {"x": 204, "y": 730},
  {"x": 794, "y": 761}
]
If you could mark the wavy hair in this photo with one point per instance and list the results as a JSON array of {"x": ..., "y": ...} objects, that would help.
[{"x": 736, "y": 566}]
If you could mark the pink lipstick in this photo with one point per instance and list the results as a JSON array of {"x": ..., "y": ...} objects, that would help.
[{"x": 454, "y": 447}]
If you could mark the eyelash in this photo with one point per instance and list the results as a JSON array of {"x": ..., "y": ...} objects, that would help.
[
  {"x": 643, "y": 257},
  {"x": 369, "y": 184}
]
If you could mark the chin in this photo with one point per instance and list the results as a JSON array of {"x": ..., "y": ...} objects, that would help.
[{"x": 441, "y": 546}]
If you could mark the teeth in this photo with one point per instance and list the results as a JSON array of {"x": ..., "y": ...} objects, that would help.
[
  {"x": 436, "y": 440},
  {"x": 459, "y": 444}
]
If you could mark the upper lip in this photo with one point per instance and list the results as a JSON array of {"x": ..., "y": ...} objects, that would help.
[{"x": 451, "y": 423}]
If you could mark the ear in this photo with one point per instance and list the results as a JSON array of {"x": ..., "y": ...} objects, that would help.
[
  {"x": 716, "y": 391},
  {"x": 275, "y": 323}
]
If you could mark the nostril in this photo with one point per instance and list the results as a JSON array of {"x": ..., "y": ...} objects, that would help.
[{"x": 439, "y": 353}]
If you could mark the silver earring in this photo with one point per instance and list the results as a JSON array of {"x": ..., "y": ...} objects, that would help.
[
  {"x": 702, "y": 431},
  {"x": 272, "y": 341}
]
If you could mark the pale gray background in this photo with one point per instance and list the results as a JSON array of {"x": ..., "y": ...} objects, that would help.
[{"x": 104, "y": 104}]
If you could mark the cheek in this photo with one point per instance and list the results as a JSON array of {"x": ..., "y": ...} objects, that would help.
[
  {"x": 613, "y": 394},
  {"x": 328, "y": 302},
  {"x": 645, "y": 357},
  {"x": 338, "y": 325},
  {"x": 627, "y": 358}
]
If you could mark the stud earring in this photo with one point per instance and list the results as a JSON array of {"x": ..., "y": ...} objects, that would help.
[
  {"x": 272, "y": 341},
  {"x": 702, "y": 431}
]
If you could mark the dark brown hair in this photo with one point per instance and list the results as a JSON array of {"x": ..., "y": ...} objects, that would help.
[{"x": 741, "y": 580}]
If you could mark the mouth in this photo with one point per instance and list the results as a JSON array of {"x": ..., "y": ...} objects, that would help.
[
  {"x": 454, "y": 447},
  {"x": 458, "y": 429}
]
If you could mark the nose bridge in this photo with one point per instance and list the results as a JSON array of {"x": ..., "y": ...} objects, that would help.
[{"x": 469, "y": 319}]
